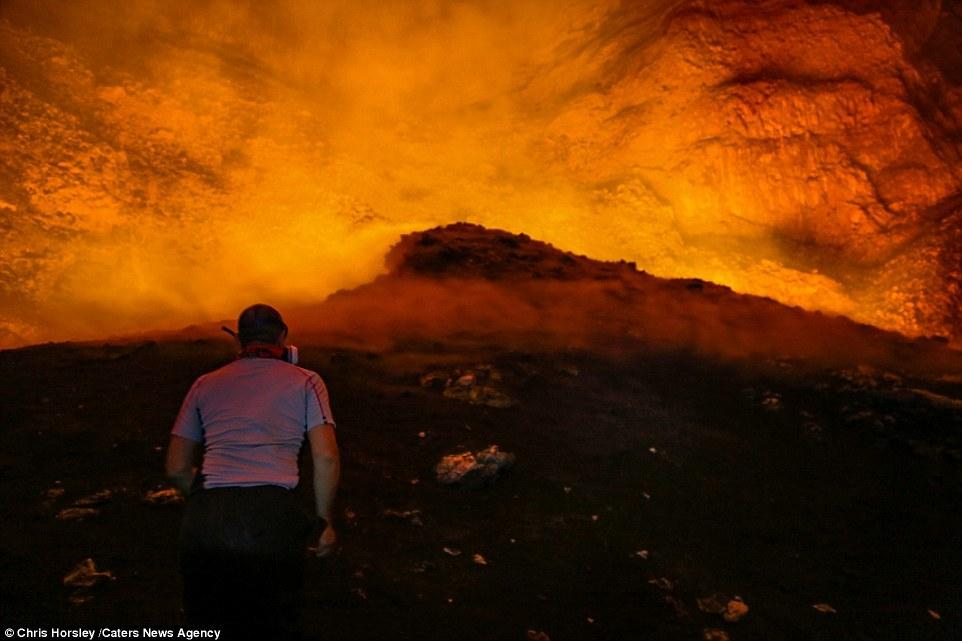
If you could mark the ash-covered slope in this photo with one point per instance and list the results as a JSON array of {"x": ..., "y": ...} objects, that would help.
[{"x": 464, "y": 282}]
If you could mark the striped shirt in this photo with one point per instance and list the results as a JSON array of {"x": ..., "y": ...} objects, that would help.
[{"x": 251, "y": 417}]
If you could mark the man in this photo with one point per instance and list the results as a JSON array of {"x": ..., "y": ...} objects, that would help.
[{"x": 243, "y": 536}]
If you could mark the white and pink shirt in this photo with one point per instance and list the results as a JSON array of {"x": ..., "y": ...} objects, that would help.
[{"x": 251, "y": 417}]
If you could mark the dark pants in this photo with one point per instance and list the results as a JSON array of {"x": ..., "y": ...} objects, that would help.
[{"x": 242, "y": 557}]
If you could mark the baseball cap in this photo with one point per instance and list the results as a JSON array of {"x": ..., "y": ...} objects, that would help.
[{"x": 260, "y": 323}]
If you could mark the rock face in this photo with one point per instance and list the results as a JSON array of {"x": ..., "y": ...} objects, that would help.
[
  {"x": 85, "y": 166},
  {"x": 813, "y": 135}
]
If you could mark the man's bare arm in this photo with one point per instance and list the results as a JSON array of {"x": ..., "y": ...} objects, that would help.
[
  {"x": 327, "y": 468},
  {"x": 327, "y": 472},
  {"x": 181, "y": 457}
]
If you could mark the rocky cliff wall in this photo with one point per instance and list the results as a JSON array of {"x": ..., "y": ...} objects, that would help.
[{"x": 817, "y": 135}]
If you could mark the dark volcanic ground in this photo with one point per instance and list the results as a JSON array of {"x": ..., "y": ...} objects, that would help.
[{"x": 785, "y": 486}]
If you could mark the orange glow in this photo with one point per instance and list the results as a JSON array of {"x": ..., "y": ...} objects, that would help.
[{"x": 172, "y": 162}]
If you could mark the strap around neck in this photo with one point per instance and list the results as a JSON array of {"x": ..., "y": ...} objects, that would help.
[{"x": 262, "y": 350}]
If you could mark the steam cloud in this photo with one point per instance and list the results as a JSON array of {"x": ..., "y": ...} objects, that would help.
[{"x": 207, "y": 154}]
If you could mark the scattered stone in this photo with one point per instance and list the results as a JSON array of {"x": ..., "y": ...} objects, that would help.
[
  {"x": 479, "y": 395},
  {"x": 937, "y": 399},
  {"x": 680, "y": 610},
  {"x": 866, "y": 418},
  {"x": 452, "y": 551},
  {"x": 892, "y": 378},
  {"x": 77, "y": 513},
  {"x": 825, "y": 608},
  {"x": 735, "y": 611},
  {"x": 424, "y": 567},
  {"x": 97, "y": 498},
  {"x": 865, "y": 377},
  {"x": 473, "y": 469},
  {"x": 86, "y": 575},
  {"x": 714, "y": 634},
  {"x": 714, "y": 604},
  {"x": 662, "y": 583},
  {"x": 642, "y": 554},
  {"x": 411, "y": 516},
  {"x": 359, "y": 593},
  {"x": 48, "y": 504},
  {"x": 813, "y": 429},
  {"x": 79, "y": 599},
  {"x": 935, "y": 615},
  {"x": 437, "y": 379},
  {"x": 538, "y": 635},
  {"x": 166, "y": 496},
  {"x": 494, "y": 375},
  {"x": 480, "y": 560},
  {"x": 475, "y": 386},
  {"x": 772, "y": 401}
]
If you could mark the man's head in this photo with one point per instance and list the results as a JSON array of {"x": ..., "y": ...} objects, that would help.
[{"x": 261, "y": 324}]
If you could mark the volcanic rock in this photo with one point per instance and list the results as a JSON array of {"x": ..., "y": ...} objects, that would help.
[
  {"x": 735, "y": 611},
  {"x": 463, "y": 282},
  {"x": 476, "y": 386},
  {"x": 86, "y": 575},
  {"x": 413, "y": 517},
  {"x": 713, "y": 604},
  {"x": 479, "y": 395},
  {"x": 164, "y": 496},
  {"x": 97, "y": 498},
  {"x": 472, "y": 470},
  {"x": 466, "y": 251},
  {"x": 77, "y": 513}
]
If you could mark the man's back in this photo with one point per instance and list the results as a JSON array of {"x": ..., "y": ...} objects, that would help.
[{"x": 251, "y": 416}]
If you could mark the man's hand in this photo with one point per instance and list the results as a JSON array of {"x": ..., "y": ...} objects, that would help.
[{"x": 326, "y": 542}]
